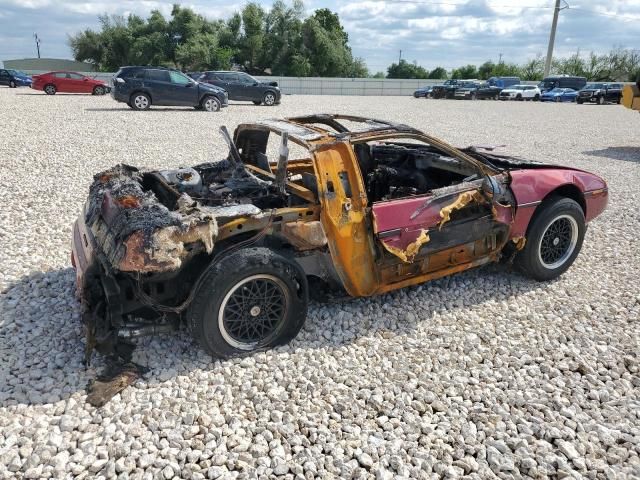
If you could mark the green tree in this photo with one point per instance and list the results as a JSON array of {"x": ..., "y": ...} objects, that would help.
[
  {"x": 468, "y": 71},
  {"x": 404, "y": 69},
  {"x": 437, "y": 73},
  {"x": 378, "y": 75}
]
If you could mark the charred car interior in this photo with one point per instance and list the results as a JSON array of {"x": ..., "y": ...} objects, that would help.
[{"x": 227, "y": 247}]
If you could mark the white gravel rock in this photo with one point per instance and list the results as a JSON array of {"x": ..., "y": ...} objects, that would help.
[{"x": 482, "y": 374}]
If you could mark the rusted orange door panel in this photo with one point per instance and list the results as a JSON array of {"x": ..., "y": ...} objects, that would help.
[{"x": 344, "y": 218}]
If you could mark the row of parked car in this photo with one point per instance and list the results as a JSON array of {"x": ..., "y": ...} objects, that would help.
[
  {"x": 561, "y": 88},
  {"x": 143, "y": 86}
]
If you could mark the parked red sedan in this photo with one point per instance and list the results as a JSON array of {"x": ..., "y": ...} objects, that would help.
[{"x": 69, "y": 82}]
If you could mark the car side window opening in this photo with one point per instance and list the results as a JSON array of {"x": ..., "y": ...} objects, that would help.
[
  {"x": 179, "y": 78},
  {"x": 158, "y": 75},
  {"x": 76, "y": 76},
  {"x": 246, "y": 79},
  {"x": 404, "y": 167},
  {"x": 61, "y": 75}
]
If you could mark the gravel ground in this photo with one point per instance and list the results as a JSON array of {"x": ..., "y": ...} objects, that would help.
[{"x": 485, "y": 373}]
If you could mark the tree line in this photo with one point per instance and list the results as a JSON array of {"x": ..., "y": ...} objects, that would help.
[
  {"x": 278, "y": 41},
  {"x": 282, "y": 41},
  {"x": 618, "y": 65}
]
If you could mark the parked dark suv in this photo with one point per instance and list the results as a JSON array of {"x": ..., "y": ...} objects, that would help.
[
  {"x": 141, "y": 87},
  {"x": 600, "y": 93},
  {"x": 242, "y": 86}
]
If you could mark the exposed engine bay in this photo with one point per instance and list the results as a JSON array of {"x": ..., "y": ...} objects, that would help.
[{"x": 394, "y": 170}]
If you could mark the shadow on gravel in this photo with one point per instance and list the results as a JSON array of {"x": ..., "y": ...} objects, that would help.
[
  {"x": 152, "y": 109},
  {"x": 627, "y": 154},
  {"x": 42, "y": 340}
]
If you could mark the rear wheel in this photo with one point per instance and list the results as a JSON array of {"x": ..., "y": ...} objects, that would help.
[
  {"x": 536, "y": 97},
  {"x": 519, "y": 97},
  {"x": 50, "y": 89},
  {"x": 210, "y": 104},
  {"x": 140, "y": 101},
  {"x": 554, "y": 239},
  {"x": 269, "y": 99},
  {"x": 558, "y": 99},
  {"x": 601, "y": 100},
  {"x": 578, "y": 101},
  {"x": 251, "y": 300}
]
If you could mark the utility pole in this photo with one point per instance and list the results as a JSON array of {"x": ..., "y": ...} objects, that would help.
[
  {"x": 499, "y": 58},
  {"x": 35, "y": 35},
  {"x": 552, "y": 37},
  {"x": 399, "y": 57}
]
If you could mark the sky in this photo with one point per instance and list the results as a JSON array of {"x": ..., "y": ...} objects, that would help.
[{"x": 447, "y": 33}]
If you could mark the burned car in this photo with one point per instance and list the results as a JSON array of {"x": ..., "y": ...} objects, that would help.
[{"x": 228, "y": 247}]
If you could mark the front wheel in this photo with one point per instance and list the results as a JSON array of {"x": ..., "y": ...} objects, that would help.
[
  {"x": 99, "y": 90},
  {"x": 558, "y": 99},
  {"x": 578, "y": 101},
  {"x": 554, "y": 239},
  {"x": 519, "y": 97},
  {"x": 536, "y": 97},
  {"x": 269, "y": 99},
  {"x": 251, "y": 300},
  {"x": 12, "y": 84},
  {"x": 600, "y": 100},
  {"x": 210, "y": 104}
]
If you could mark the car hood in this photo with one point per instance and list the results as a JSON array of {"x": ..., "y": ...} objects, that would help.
[
  {"x": 507, "y": 162},
  {"x": 210, "y": 88}
]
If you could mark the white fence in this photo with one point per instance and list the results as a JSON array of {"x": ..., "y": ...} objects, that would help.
[{"x": 330, "y": 86}]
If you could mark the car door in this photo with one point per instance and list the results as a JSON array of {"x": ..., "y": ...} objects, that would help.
[
  {"x": 614, "y": 91},
  {"x": 4, "y": 77},
  {"x": 62, "y": 83},
  {"x": 247, "y": 88},
  {"x": 183, "y": 90},
  {"x": 79, "y": 83},
  {"x": 157, "y": 83},
  {"x": 443, "y": 230},
  {"x": 233, "y": 86}
]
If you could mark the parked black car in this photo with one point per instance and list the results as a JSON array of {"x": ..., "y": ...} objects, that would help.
[
  {"x": 242, "y": 86},
  {"x": 141, "y": 87},
  {"x": 600, "y": 93},
  {"x": 467, "y": 91},
  {"x": 446, "y": 89},
  {"x": 486, "y": 91},
  {"x": 423, "y": 92}
]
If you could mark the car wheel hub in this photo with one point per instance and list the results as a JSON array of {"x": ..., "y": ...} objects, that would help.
[
  {"x": 558, "y": 242},
  {"x": 253, "y": 311},
  {"x": 141, "y": 102}
]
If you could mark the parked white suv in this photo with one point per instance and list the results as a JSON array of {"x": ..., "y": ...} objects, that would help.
[{"x": 521, "y": 92}]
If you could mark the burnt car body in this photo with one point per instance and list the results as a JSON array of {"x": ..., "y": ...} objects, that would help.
[{"x": 228, "y": 247}]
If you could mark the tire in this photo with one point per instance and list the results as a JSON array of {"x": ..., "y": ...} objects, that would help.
[
  {"x": 601, "y": 100},
  {"x": 12, "y": 84},
  {"x": 536, "y": 97},
  {"x": 259, "y": 102},
  {"x": 229, "y": 284},
  {"x": 618, "y": 101},
  {"x": 497, "y": 96},
  {"x": 543, "y": 258},
  {"x": 50, "y": 89},
  {"x": 578, "y": 101},
  {"x": 140, "y": 101},
  {"x": 99, "y": 90},
  {"x": 558, "y": 99},
  {"x": 519, "y": 97},
  {"x": 210, "y": 104},
  {"x": 269, "y": 99},
  {"x": 474, "y": 96}
]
